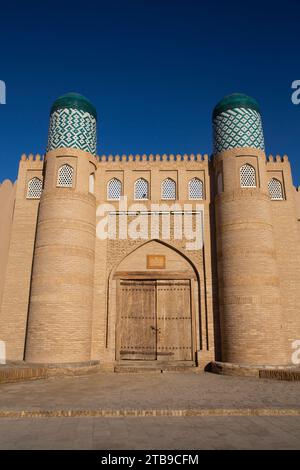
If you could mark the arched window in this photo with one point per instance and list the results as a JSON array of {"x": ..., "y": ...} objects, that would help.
[
  {"x": 34, "y": 188},
  {"x": 65, "y": 176},
  {"x": 92, "y": 183},
  {"x": 114, "y": 189},
  {"x": 141, "y": 189},
  {"x": 275, "y": 190},
  {"x": 196, "y": 189},
  {"x": 168, "y": 189},
  {"x": 247, "y": 176}
]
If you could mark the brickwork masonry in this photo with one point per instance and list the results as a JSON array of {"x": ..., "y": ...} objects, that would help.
[{"x": 18, "y": 226}]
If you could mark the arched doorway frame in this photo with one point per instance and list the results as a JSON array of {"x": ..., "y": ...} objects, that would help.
[{"x": 112, "y": 301}]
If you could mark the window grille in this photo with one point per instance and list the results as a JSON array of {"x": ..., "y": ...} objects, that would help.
[
  {"x": 34, "y": 188},
  {"x": 141, "y": 189},
  {"x": 114, "y": 189},
  {"x": 168, "y": 189},
  {"x": 275, "y": 190},
  {"x": 65, "y": 176},
  {"x": 247, "y": 176},
  {"x": 195, "y": 189}
]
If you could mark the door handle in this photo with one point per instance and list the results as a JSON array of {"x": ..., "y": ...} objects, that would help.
[{"x": 155, "y": 329}]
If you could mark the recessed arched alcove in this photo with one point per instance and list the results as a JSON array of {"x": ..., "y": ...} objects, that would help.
[{"x": 153, "y": 306}]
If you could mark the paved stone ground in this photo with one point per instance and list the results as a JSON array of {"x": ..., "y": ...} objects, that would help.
[
  {"x": 149, "y": 391},
  {"x": 151, "y": 433}
]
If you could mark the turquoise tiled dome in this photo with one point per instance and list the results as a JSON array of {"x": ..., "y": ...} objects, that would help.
[
  {"x": 74, "y": 101},
  {"x": 235, "y": 100}
]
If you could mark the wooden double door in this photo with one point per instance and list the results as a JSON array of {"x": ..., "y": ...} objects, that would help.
[{"x": 155, "y": 320}]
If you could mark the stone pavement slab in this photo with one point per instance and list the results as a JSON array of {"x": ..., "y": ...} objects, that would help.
[
  {"x": 167, "y": 391},
  {"x": 151, "y": 433}
]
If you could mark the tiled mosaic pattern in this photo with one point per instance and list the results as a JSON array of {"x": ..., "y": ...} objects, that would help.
[
  {"x": 238, "y": 127},
  {"x": 72, "y": 128}
]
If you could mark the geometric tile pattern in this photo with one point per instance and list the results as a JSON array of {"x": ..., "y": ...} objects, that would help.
[
  {"x": 195, "y": 189},
  {"x": 275, "y": 190},
  {"x": 247, "y": 176},
  {"x": 34, "y": 188},
  {"x": 238, "y": 127},
  {"x": 72, "y": 128},
  {"x": 168, "y": 189},
  {"x": 141, "y": 190}
]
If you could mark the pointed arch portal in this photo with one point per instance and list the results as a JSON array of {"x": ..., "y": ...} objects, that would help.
[{"x": 156, "y": 297}]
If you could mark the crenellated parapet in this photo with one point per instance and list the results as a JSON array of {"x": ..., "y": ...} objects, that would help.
[
  {"x": 154, "y": 158},
  {"x": 32, "y": 160},
  {"x": 31, "y": 157},
  {"x": 7, "y": 185},
  {"x": 153, "y": 161},
  {"x": 37, "y": 160},
  {"x": 278, "y": 159}
]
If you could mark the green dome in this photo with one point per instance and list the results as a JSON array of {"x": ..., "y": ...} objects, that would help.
[
  {"x": 74, "y": 101},
  {"x": 235, "y": 100}
]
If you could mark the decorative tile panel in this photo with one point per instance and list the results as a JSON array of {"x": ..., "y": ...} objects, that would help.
[
  {"x": 72, "y": 128},
  {"x": 238, "y": 127}
]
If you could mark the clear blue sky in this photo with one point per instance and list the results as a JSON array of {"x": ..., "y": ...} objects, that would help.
[{"x": 154, "y": 69}]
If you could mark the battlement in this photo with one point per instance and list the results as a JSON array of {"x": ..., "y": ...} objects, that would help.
[
  {"x": 32, "y": 158},
  {"x": 7, "y": 184},
  {"x": 153, "y": 158},
  {"x": 31, "y": 162},
  {"x": 277, "y": 159}
]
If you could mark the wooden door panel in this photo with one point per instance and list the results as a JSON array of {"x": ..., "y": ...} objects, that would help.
[
  {"x": 137, "y": 320},
  {"x": 174, "y": 325}
]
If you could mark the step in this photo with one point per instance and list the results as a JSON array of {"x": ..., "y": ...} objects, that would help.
[{"x": 141, "y": 366}]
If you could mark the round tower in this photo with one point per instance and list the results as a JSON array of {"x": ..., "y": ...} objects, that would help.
[
  {"x": 249, "y": 295},
  {"x": 61, "y": 297}
]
